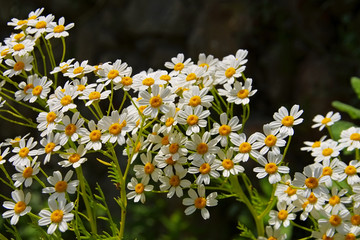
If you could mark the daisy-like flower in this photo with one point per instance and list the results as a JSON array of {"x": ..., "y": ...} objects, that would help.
[
  {"x": 228, "y": 70},
  {"x": 135, "y": 145},
  {"x": 148, "y": 169},
  {"x": 329, "y": 171},
  {"x": 226, "y": 129},
  {"x": 355, "y": 219},
  {"x": 24, "y": 151},
  {"x": 95, "y": 95},
  {"x": 285, "y": 192},
  {"x": 311, "y": 180},
  {"x": 349, "y": 172},
  {"x": 190, "y": 76},
  {"x": 310, "y": 146},
  {"x": 21, "y": 63},
  {"x": 286, "y": 121},
  {"x": 156, "y": 101},
  {"x": 92, "y": 138},
  {"x": 205, "y": 169},
  {"x": 203, "y": 147},
  {"x": 3, "y": 154},
  {"x": 116, "y": 125},
  {"x": 283, "y": 216},
  {"x": 194, "y": 118},
  {"x": 15, "y": 142},
  {"x": 48, "y": 121},
  {"x": 17, "y": 24},
  {"x": 328, "y": 120},
  {"x": 350, "y": 138},
  {"x": 311, "y": 205},
  {"x": 63, "y": 66},
  {"x": 73, "y": 157},
  {"x": 63, "y": 99},
  {"x": 25, "y": 173},
  {"x": 82, "y": 85},
  {"x": 240, "y": 93},
  {"x": 41, "y": 88},
  {"x": 113, "y": 72},
  {"x": 58, "y": 30},
  {"x": 273, "y": 234},
  {"x": 169, "y": 165},
  {"x": 79, "y": 69},
  {"x": 227, "y": 164},
  {"x": 208, "y": 62},
  {"x": 71, "y": 129},
  {"x": 244, "y": 147},
  {"x": 51, "y": 145},
  {"x": 24, "y": 87},
  {"x": 337, "y": 200},
  {"x": 177, "y": 63},
  {"x": 143, "y": 80},
  {"x": 21, "y": 48},
  {"x": 58, "y": 216},
  {"x": 194, "y": 97},
  {"x": 272, "y": 139},
  {"x": 4, "y": 52},
  {"x": 18, "y": 207},
  {"x": 174, "y": 183},
  {"x": 169, "y": 118},
  {"x": 328, "y": 149},
  {"x": 60, "y": 185},
  {"x": 38, "y": 26},
  {"x": 335, "y": 221},
  {"x": 138, "y": 189},
  {"x": 175, "y": 147},
  {"x": 126, "y": 81},
  {"x": 271, "y": 167},
  {"x": 198, "y": 200}
]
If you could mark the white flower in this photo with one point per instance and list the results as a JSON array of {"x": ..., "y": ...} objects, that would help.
[
  {"x": 18, "y": 24},
  {"x": 63, "y": 99},
  {"x": 194, "y": 118},
  {"x": 174, "y": 183},
  {"x": 311, "y": 180},
  {"x": 169, "y": 118},
  {"x": 95, "y": 95},
  {"x": 270, "y": 140},
  {"x": 21, "y": 48},
  {"x": 194, "y": 97},
  {"x": 79, "y": 69},
  {"x": 203, "y": 147},
  {"x": 3, "y": 154},
  {"x": 71, "y": 129},
  {"x": 286, "y": 121},
  {"x": 63, "y": 66},
  {"x": 283, "y": 216},
  {"x": 206, "y": 169},
  {"x": 51, "y": 144},
  {"x": 337, "y": 200},
  {"x": 18, "y": 207},
  {"x": 148, "y": 168},
  {"x": 328, "y": 149},
  {"x": 169, "y": 164},
  {"x": 240, "y": 93},
  {"x": 48, "y": 121},
  {"x": 229, "y": 69},
  {"x": 113, "y": 72},
  {"x": 189, "y": 76},
  {"x": 58, "y": 30},
  {"x": 348, "y": 171},
  {"x": 227, "y": 164},
  {"x": 175, "y": 147},
  {"x": 273, "y": 233},
  {"x": 328, "y": 120},
  {"x": 74, "y": 157},
  {"x": 310, "y": 146},
  {"x": 200, "y": 201},
  {"x": 350, "y": 138},
  {"x": 38, "y": 26},
  {"x": 177, "y": 63},
  {"x": 245, "y": 148},
  {"x": 60, "y": 186},
  {"x": 26, "y": 173},
  {"x": 227, "y": 128},
  {"x": 23, "y": 152},
  {"x": 335, "y": 221},
  {"x": 271, "y": 167},
  {"x": 92, "y": 138},
  {"x": 143, "y": 80},
  {"x": 21, "y": 63},
  {"x": 58, "y": 216},
  {"x": 138, "y": 189},
  {"x": 41, "y": 88}
]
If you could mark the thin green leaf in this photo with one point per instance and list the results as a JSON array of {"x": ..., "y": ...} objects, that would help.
[{"x": 353, "y": 112}]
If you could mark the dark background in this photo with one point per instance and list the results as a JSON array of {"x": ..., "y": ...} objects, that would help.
[{"x": 300, "y": 52}]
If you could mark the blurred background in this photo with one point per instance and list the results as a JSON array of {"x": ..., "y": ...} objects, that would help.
[{"x": 300, "y": 52}]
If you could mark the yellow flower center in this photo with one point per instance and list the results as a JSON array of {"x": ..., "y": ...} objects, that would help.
[
  {"x": 173, "y": 148},
  {"x": 141, "y": 108},
  {"x": 311, "y": 182},
  {"x": 178, "y": 66},
  {"x": 174, "y": 181},
  {"x": 126, "y": 81},
  {"x": 327, "y": 152},
  {"x": 324, "y": 237},
  {"x": 170, "y": 161},
  {"x": 37, "y": 90},
  {"x": 290, "y": 191},
  {"x": 155, "y": 101},
  {"x": 80, "y": 87},
  {"x": 325, "y": 120},
  {"x": 139, "y": 188},
  {"x": 350, "y": 236},
  {"x": 327, "y": 171},
  {"x": 192, "y": 119},
  {"x": 40, "y": 24},
  {"x": 202, "y": 148},
  {"x": 95, "y": 135},
  {"x": 64, "y": 68},
  {"x": 224, "y": 130},
  {"x": 49, "y": 147},
  {"x": 21, "y": 22},
  {"x": 165, "y": 78},
  {"x": 195, "y": 101},
  {"x": 335, "y": 220},
  {"x": 66, "y": 100},
  {"x": 355, "y": 220},
  {"x": 200, "y": 202},
  {"x": 19, "y": 66},
  {"x": 74, "y": 158},
  {"x": 148, "y": 81},
  {"x": 316, "y": 144},
  {"x": 230, "y": 72},
  {"x": 19, "y": 36},
  {"x": 287, "y": 121},
  {"x": 24, "y": 152},
  {"x": 350, "y": 170},
  {"x": 57, "y": 216},
  {"x": 169, "y": 121},
  {"x": 243, "y": 93},
  {"x": 165, "y": 140},
  {"x": 19, "y": 207},
  {"x": 28, "y": 86},
  {"x": 282, "y": 214},
  {"x": 5, "y": 52},
  {"x": 50, "y": 117},
  {"x": 204, "y": 168},
  {"x": 78, "y": 70},
  {"x": 19, "y": 47},
  {"x": 190, "y": 77},
  {"x": 59, "y": 29},
  {"x": 334, "y": 200},
  {"x": 113, "y": 73},
  {"x": 94, "y": 95},
  {"x": 245, "y": 147},
  {"x": 270, "y": 140},
  {"x": 149, "y": 168},
  {"x": 312, "y": 199},
  {"x": 355, "y": 137},
  {"x": 271, "y": 168},
  {"x": 70, "y": 129},
  {"x": 61, "y": 186},
  {"x": 27, "y": 172},
  {"x": 204, "y": 65},
  {"x": 227, "y": 164}
]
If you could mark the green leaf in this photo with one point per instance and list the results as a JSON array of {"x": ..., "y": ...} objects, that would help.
[
  {"x": 355, "y": 83},
  {"x": 353, "y": 112},
  {"x": 338, "y": 127},
  {"x": 245, "y": 232}
]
